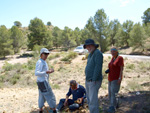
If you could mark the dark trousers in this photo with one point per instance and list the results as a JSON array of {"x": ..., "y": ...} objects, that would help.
[{"x": 72, "y": 105}]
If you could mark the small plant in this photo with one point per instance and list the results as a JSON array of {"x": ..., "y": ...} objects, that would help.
[
  {"x": 7, "y": 66},
  {"x": 130, "y": 66},
  {"x": 54, "y": 56},
  {"x": 55, "y": 86},
  {"x": 14, "y": 79},
  {"x": 109, "y": 57},
  {"x": 70, "y": 56}
]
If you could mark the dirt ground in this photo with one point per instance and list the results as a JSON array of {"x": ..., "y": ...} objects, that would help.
[{"x": 19, "y": 99}]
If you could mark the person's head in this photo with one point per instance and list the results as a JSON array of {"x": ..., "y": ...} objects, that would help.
[
  {"x": 90, "y": 45},
  {"x": 44, "y": 53},
  {"x": 73, "y": 84},
  {"x": 114, "y": 51}
]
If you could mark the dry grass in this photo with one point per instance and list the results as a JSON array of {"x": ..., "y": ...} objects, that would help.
[{"x": 136, "y": 77}]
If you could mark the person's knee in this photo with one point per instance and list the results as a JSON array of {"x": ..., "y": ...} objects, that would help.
[
  {"x": 62, "y": 100},
  {"x": 74, "y": 106}
]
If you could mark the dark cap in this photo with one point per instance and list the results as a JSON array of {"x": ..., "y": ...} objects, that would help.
[{"x": 90, "y": 42}]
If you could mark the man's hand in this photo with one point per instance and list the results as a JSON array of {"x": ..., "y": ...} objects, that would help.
[
  {"x": 65, "y": 103},
  {"x": 50, "y": 71},
  {"x": 79, "y": 101}
]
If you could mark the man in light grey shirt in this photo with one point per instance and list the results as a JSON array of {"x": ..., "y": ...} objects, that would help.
[{"x": 42, "y": 72}]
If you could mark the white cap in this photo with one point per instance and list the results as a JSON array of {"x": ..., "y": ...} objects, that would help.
[{"x": 44, "y": 50}]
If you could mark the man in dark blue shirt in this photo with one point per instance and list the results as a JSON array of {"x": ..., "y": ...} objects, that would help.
[{"x": 78, "y": 95}]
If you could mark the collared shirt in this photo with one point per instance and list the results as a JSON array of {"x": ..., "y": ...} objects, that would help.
[
  {"x": 93, "y": 70},
  {"x": 40, "y": 70},
  {"x": 114, "y": 68},
  {"x": 77, "y": 93}
]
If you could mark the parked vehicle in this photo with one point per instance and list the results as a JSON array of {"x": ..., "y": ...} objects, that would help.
[{"x": 80, "y": 50}]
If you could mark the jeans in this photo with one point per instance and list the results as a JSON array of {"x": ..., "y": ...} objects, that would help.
[
  {"x": 46, "y": 94},
  {"x": 92, "y": 89},
  {"x": 72, "y": 105},
  {"x": 113, "y": 89}
]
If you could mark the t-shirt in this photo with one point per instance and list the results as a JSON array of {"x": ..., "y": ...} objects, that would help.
[
  {"x": 114, "y": 68},
  {"x": 78, "y": 93}
]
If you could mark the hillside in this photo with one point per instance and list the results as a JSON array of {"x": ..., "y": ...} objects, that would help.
[{"x": 23, "y": 95}]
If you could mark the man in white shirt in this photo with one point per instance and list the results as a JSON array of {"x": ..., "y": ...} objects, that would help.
[{"x": 42, "y": 72}]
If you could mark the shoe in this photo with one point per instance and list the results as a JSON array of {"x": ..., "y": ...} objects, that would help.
[
  {"x": 111, "y": 109},
  {"x": 40, "y": 111}
]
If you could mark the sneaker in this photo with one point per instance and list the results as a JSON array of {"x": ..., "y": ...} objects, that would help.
[{"x": 111, "y": 109}]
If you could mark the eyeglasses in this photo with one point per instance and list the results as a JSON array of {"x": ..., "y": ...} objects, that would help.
[{"x": 46, "y": 53}]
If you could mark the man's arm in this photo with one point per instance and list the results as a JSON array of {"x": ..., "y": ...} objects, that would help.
[
  {"x": 38, "y": 69},
  {"x": 67, "y": 97}
]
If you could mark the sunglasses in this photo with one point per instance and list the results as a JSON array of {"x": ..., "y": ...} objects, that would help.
[{"x": 46, "y": 53}]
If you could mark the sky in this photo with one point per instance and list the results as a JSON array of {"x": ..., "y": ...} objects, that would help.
[{"x": 71, "y": 13}]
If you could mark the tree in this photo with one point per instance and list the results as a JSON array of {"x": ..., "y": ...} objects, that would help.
[
  {"x": 123, "y": 35},
  {"x": 146, "y": 16},
  {"x": 48, "y": 42},
  {"x": 57, "y": 41},
  {"x": 67, "y": 37},
  {"x": 17, "y": 23},
  {"x": 85, "y": 34},
  {"x": 137, "y": 37},
  {"x": 17, "y": 38},
  {"x": 147, "y": 29},
  {"x": 113, "y": 29},
  {"x": 38, "y": 33},
  {"x": 49, "y": 23},
  {"x": 98, "y": 28},
  {"x": 5, "y": 42},
  {"x": 77, "y": 36}
]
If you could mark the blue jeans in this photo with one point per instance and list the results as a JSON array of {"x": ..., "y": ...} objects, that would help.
[
  {"x": 113, "y": 89},
  {"x": 72, "y": 105},
  {"x": 92, "y": 89}
]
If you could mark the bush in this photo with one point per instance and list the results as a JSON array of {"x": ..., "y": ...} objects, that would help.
[
  {"x": 55, "y": 86},
  {"x": 144, "y": 66},
  {"x": 31, "y": 64},
  {"x": 130, "y": 66},
  {"x": 14, "y": 79},
  {"x": 70, "y": 56},
  {"x": 7, "y": 66},
  {"x": 54, "y": 56},
  {"x": 2, "y": 77}
]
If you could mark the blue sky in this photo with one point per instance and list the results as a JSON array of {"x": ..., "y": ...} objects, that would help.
[{"x": 71, "y": 13}]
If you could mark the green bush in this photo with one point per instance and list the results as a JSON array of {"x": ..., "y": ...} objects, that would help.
[
  {"x": 70, "y": 56},
  {"x": 31, "y": 64},
  {"x": 55, "y": 86},
  {"x": 144, "y": 66},
  {"x": 14, "y": 79},
  {"x": 53, "y": 56},
  {"x": 2, "y": 77},
  {"x": 130, "y": 66},
  {"x": 7, "y": 66}
]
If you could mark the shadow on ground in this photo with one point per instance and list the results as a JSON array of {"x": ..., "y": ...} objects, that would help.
[
  {"x": 25, "y": 55},
  {"x": 132, "y": 102}
]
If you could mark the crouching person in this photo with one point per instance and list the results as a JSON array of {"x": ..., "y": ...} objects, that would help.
[
  {"x": 42, "y": 72},
  {"x": 78, "y": 95}
]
